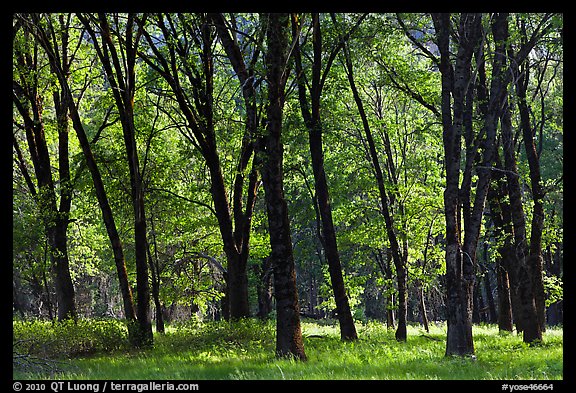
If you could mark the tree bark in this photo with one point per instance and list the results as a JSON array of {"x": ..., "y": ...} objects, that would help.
[{"x": 288, "y": 332}]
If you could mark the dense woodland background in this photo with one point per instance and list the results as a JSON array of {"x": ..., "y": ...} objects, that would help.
[{"x": 397, "y": 167}]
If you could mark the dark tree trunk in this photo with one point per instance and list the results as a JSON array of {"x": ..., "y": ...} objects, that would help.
[
  {"x": 234, "y": 221},
  {"x": 312, "y": 119},
  {"x": 264, "y": 288},
  {"x": 493, "y": 316},
  {"x": 397, "y": 255},
  {"x": 459, "y": 280},
  {"x": 521, "y": 280},
  {"x": 59, "y": 68},
  {"x": 155, "y": 280},
  {"x": 29, "y": 104},
  {"x": 477, "y": 304},
  {"x": 122, "y": 78},
  {"x": 504, "y": 302},
  {"x": 107, "y": 216},
  {"x": 289, "y": 341},
  {"x": 535, "y": 256},
  {"x": 422, "y": 308},
  {"x": 509, "y": 303},
  {"x": 65, "y": 297}
]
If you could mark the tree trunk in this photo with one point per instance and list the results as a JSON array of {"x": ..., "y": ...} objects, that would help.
[
  {"x": 509, "y": 303},
  {"x": 535, "y": 257},
  {"x": 264, "y": 288},
  {"x": 504, "y": 302},
  {"x": 477, "y": 304},
  {"x": 55, "y": 220},
  {"x": 123, "y": 83},
  {"x": 521, "y": 280},
  {"x": 289, "y": 341},
  {"x": 233, "y": 221},
  {"x": 312, "y": 119},
  {"x": 155, "y": 281},
  {"x": 422, "y": 308},
  {"x": 65, "y": 296},
  {"x": 493, "y": 317},
  {"x": 459, "y": 282},
  {"x": 397, "y": 256},
  {"x": 107, "y": 216}
]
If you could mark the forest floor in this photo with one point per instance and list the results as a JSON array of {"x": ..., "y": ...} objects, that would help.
[{"x": 244, "y": 350}]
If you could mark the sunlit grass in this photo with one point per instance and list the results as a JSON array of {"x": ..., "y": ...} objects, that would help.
[{"x": 245, "y": 350}]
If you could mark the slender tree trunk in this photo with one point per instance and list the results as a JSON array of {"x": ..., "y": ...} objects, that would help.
[
  {"x": 289, "y": 341},
  {"x": 535, "y": 256},
  {"x": 397, "y": 256},
  {"x": 155, "y": 280},
  {"x": 521, "y": 284},
  {"x": 122, "y": 78},
  {"x": 493, "y": 316},
  {"x": 55, "y": 220},
  {"x": 509, "y": 303},
  {"x": 504, "y": 302},
  {"x": 59, "y": 68},
  {"x": 233, "y": 220},
  {"x": 312, "y": 119},
  {"x": 422, "y": 308},
  {"x": 264, "y": 288}
]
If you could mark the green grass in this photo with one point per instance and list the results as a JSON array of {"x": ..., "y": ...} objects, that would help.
[{"x": 245, "y": 350}]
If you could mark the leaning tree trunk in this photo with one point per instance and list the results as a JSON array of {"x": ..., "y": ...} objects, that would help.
[
  {"x": 122, "y": 80},
  {"x": 397, "y": 256},
  {"x": 312, "y": 118}
]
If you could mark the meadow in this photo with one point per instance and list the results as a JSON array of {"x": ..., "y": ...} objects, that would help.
[{"x": 244, "y": 350}]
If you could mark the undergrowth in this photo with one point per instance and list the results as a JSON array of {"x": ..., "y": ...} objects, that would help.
[{"x": 99, "y": 349}]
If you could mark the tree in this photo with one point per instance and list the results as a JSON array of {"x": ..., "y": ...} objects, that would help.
[
  {"x": 61, "y": 71},
  {"x": 119, "y": 64},
  {"x": 194, "y": 96},
  {"x": 400, "y": 258},
  {"x": 28, "y": 102},
  {"x": 459, "y": 270},
  {"x": 288, "y": 332},
  {"x": 311, "y": 112}
]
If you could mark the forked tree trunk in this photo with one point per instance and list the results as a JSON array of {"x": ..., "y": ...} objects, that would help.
[
  {"x": 122, "y": 79},
  {"x": 28, "y": 102},
  {"x": 459, "y": 265}
]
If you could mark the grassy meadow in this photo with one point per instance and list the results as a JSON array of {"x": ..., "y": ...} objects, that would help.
[{"x": 244, "y": 350}]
